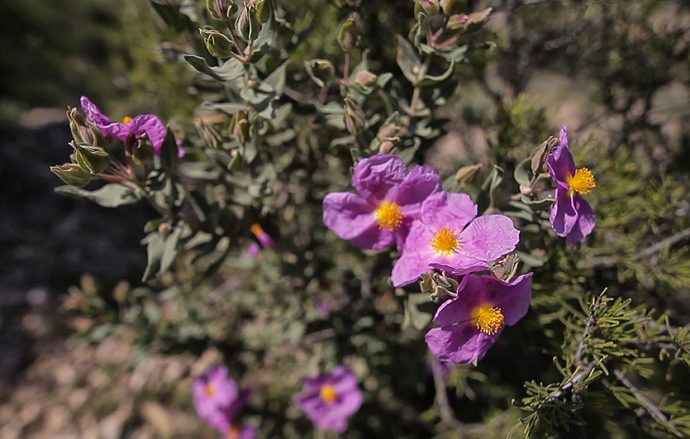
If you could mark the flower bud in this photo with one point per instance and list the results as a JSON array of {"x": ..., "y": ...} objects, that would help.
[
  {"x": 428, "y": 6},
  {"x": 217, "y": 43},
  {"x": 321, "y": 71},
  {"x": 246, "y": 24},
  {"x": 451, "y": 7},
  {"x": 347, "y": 37},
  {"x": 365, "y": 78},
  {"x": 221, "y": 9},
  {"x": 81, "y": 132},
  {"x": 240, "y": 130},
  {"x": 72, "y": 174},
  {"x": 355, "y": 120},
  {"x": 261, "y": 9},
  {"x": 457, "y": 21}
]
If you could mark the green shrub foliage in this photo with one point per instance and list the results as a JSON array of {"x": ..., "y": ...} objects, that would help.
[{"x": 290, "y": 95}]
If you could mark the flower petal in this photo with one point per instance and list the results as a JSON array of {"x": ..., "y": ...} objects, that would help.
[
  {"x": 563, "y": 215},
  {"x": 489, "y": 237},
  {"x": 421, "y": 182},
  {"x": 449, "y": 208},
  {"x": 512, "y": 297},
  {"x": 459, "y": 344},
  {"x": 560, "y": 161},
  {"x": 586, "y": 221},
  {"x": 373, "y": 177},
  {"x": 153, "y": 127},
  {"x": 409, "y": 268},
  {"x": 93, "y": 113},
  {"x": 352, "y": 219}
]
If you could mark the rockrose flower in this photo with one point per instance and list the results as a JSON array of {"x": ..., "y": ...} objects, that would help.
[
  {"x": 571, "y": 215},
  {"x": 218, "y": 399},
  {"x": 389, "y": 198},
  {"x": 265, "y": 241},
  {"x": 449, "y": 237},
  {"x": 472, "y": 322},
  {"x": 135, "y": 127},
  {"x": 330, "y": 399},
  {"x": 240, "y": 431}
]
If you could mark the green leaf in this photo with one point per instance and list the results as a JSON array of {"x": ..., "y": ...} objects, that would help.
[
  {"x": 168, "y": 154},
  {"x": 522, "y": 172},
  {"x": 408, "y": 60},
  {"x": 231, "y": 70},
  {"x": 169, "y": 249},
  {"x": 110, "y": 195},
  {"x": 154, "y": 251},
  {"x": 419, "y": 311},
  {"x": 172, "y": 16},
  {"x": 276, "y": 80},
  {"x": 434, "y": 80}
]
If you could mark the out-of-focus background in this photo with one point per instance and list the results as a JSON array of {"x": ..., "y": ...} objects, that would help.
[{"x": 618, "y": 72}]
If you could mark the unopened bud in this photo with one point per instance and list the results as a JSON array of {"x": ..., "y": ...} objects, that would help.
[
  {"x": 240, "y": 129},
  {"x": 388, "y": 131},
  {"x": 261, "y": 9},
  {"x": 365, "y": 78},
  {"x": 451, "y": 7},
  {"x": 348, "y": 35},
  {"x": 217, "y": 43},
  {"x": 246, "y": 24},
  {"x": 321, "y": 71},
  {"x": 164, "y": 229},
  {"x": 221, "y": 9},
  {"x": 428, "y": 6},
  {"x": 355, "y": 120},
  {"x": 457, "y": 21},
  {"x": 81, "y": 132}
]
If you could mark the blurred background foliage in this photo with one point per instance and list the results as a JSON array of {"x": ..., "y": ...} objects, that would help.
[{"x": 618, "y": 73}]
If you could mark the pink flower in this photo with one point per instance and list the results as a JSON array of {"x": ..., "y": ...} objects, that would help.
[
  {"x": 448, "y": 237},
  {"x": 571, "y": 215},
  {"x": 218, "y": 399},
  {"x": 330, "y": 399},
  {"x": 472, "y": 322},
  {"x": 388, "y": 200},
  {"x": 136, "y": 127}
]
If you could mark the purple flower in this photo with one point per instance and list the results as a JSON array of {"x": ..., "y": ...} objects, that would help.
[
  {"x": 240, "y": 431},
  {"x": 217, "y": 397},
  {"x": 330, "y": 399},
  {"x": 214, "y": 390},
  {"x": 448, "y": 237},
  {"x": 571, "y": 215},
  {"x": 136, "y": 127},
  {"x": 388, "y": 199},
  {"x": 264, "y": 238},
  {"x": 472, "y": 322},
  {"x": 225, "y": 417}
]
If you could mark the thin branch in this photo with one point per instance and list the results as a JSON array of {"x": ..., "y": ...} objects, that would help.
[
  {"x": 607, "y": 261},
  {"x": 648, "y": 405},
  {"x": 445, "y": 410}
]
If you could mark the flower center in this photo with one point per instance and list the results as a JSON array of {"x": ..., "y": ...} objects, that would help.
[
  {"x": 126, "y": 120},
  {"x": 234, "y": 432},
  {"x": 445, "y": 241},
  {"x": 582, "y": 182},
  {"x": 210, "y": 390},
  {"x": 328, "y": 394},
  {"x": 488, "y": 319},
  {"x": 388, "y": 216}
]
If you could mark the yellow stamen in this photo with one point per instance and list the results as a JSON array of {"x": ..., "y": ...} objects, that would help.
[
  {"x": 328, "y": 394},
  {"x": 445, "y": 241},
  {"x": 126, "y": 120},
  {"x": 488, "y": 319},
  {"x": 388, "y": 216},
  {"x": 257, "y": 230},
  {"x": 234, "y": 432},
  {"x": 210, "y": 390},
  {"x": 582, "y": 182}
]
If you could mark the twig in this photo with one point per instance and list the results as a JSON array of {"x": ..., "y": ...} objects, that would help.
[
  {"x": 648, "y": 405},
  {"x": 444, "y": 407},
  {"x": 607, "y": 261}
]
